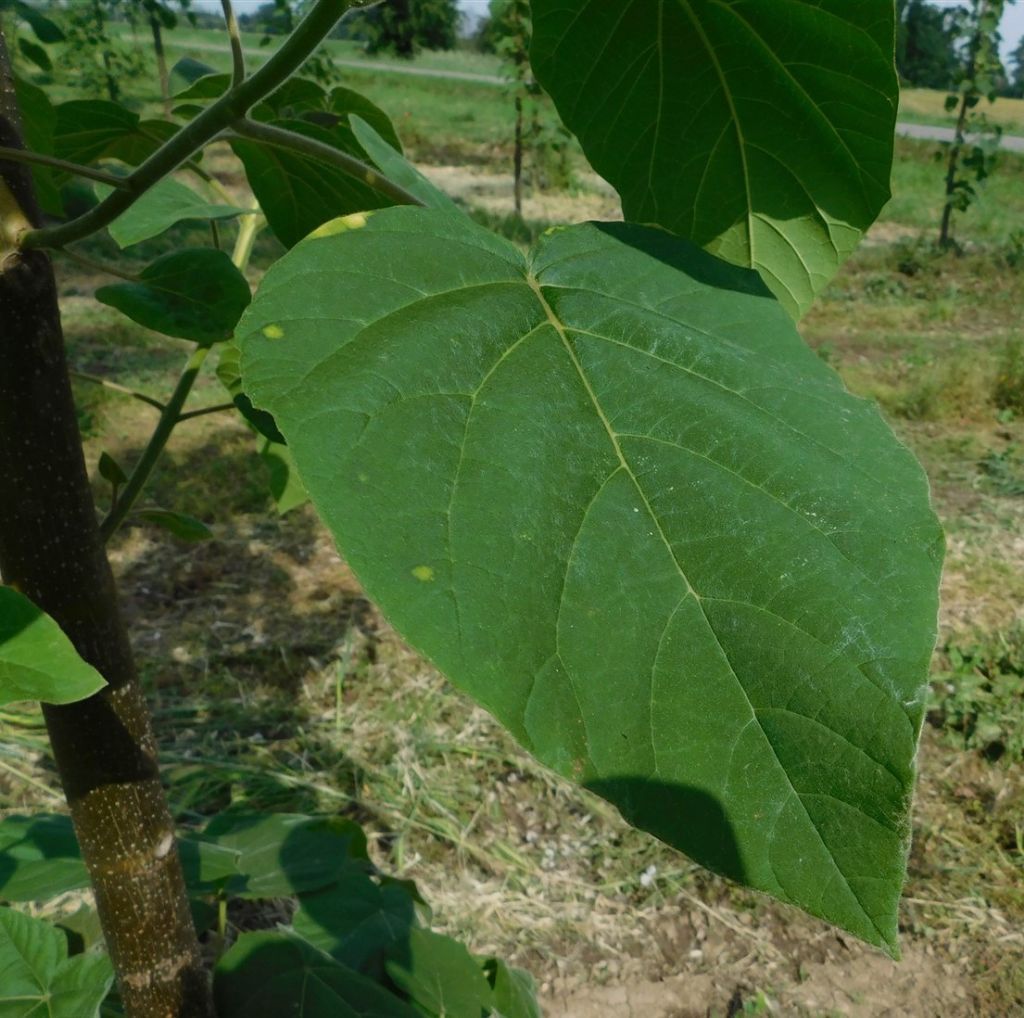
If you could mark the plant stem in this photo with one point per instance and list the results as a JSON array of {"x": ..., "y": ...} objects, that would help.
[
  {"x": 281, "y": 138},
  {"x": 169, "y": 417},
  {"x": 91, "y": 263},
  {"x": 250, "y": 226},
  {"x": 203, "y": 411},
  {"x": 107, "y": 384},
  {"x": 945, "y": 238},
  {"x": 237, "y": 53},
  {"x": 230, "y": 107},
  {"x": 22, "y": 155}
]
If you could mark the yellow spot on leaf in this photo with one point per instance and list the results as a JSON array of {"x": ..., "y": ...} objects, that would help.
[
  {"x": 273, "y": 332},
  {"x": 343, "y": 224},
  {"x": 423, "y": 573}
]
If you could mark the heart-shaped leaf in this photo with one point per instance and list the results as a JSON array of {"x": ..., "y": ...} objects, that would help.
[
  {"x": 38, "y": 978},
  {"x": 195, "y": 294},
  {"x": 760, "y": 130},
  {"x": 37, "y": 661},
  {"x": 613, "y": 495}
]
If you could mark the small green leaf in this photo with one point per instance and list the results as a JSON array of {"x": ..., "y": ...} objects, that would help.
[
  {"x": 286, "y": 487},
  {"x": 110, "y": 470},
  {"x": 35, "y": 53},
  {"x": 269, "y": 855},
  {"x": 208, "y": 86},
  {"x": 440, "y": 977},
  {"x": 46, "y": 30},
  {"x": 190, "y": 70},
  {"x": 160, "y": 208},
  {"x": 37, "y": 661},
  {"x": 356, "y": 920},
  {"x": 230, "y": 376},
  {"x": 396, "y": 167},
  {"x": 38, "y": 978},
  {"x": 267, "y": 975},
  {"x": 182, "y": 526},
  {"x": 39, "y": 858},
  {"x": 515, "y": 994},
  {"x": 196, "y": 294}
]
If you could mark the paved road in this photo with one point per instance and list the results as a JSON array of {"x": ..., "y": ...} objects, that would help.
[
  {"x": 926, "y": 132},
  {"x": 931, "y": 132}
]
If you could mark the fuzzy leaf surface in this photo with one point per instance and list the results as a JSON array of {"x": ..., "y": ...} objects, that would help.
[
  {"x": 759, "y": 129},
  {"x": 609, "y": 491}
]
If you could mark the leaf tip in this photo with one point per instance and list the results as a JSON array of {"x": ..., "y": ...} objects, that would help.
[{"x": 343, "y": 224}]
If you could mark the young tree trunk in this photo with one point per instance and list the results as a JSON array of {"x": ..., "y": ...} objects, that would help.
[
  {"x": 161, "y": 60},
  {"x": 945, "y": 235},
  {"x": 50, "y": 549},
  {"x": 517, "y": 159}
]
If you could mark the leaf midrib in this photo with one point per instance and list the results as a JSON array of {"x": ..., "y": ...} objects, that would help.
[{"x": 560, "y": 330}]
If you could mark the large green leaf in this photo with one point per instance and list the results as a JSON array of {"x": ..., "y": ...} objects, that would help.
[
  {"x": 37, "y": 661},
  {"x": 761, "y": 129},
  {"x": 612, "y": 494},
  {"x": 39, "y": 858},
  {"x": 267, "y": 975},
  {"x": 161, "y": 207},
  {"x": 195, "y": 294},
  {"x": 38, "y": 978}
]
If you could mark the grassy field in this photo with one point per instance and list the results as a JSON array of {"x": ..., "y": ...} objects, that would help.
[
  {"x": 927, "y": 106},
  {"x": 277, "y": 684}
]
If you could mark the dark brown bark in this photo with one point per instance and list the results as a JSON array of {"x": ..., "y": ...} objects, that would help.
[{"x": 50, "y": 548}]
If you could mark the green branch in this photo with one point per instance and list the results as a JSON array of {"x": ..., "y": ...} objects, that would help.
[
  {"x": 169, "y": 417},
  {"x": 237, "y": 53},
  {"x": 222, "y": 114},
  {"x": 21, "y": 155},
  {"x": 115, "y": 387},
  {"x": 279, "y": 137}
]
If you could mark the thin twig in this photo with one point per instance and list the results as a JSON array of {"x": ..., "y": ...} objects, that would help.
[
  {"x": 203, "y": 411},
  {"x": 250, "y": 226},
  {"x": 169, "y": 417},
  {"x": 116, "y": 387},
  {"x": 91, "y": 263},
  {"x": 237, "y": 53},
  {"x": 21, "y": 155},
  {"x": 279, "y": 137}
]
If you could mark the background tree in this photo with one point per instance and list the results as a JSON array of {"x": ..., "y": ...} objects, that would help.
[
  {"x": 507, "y": 31},
  {"x": 404, "y": 26},
  {"x": 1016, "y": 82},
  {"x": 980, "y": 76},
  {"x": 160, "y": 17},
  {"x": 926, "y": 39}
]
